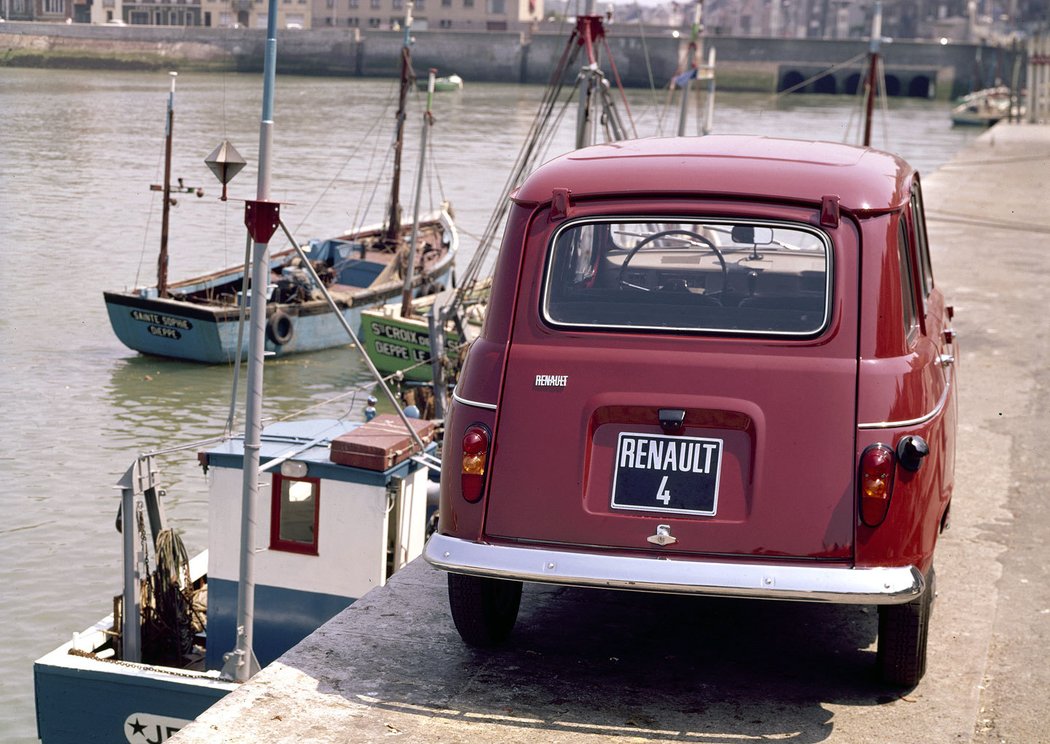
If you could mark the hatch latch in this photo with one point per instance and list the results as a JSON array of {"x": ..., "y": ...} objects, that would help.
[{"x": 663, "y": 536}]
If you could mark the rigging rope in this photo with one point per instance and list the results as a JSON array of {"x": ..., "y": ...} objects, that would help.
[
  {"x": 149, "y": 219},
  {"x": 368, "y": 136},
  {"x": 660, "y": 112},
  {"x": 523, "y": 163},
  {"x": 619, "y": 85}
]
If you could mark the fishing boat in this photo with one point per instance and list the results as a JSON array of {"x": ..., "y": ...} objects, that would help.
[
  {"x": 988, "y": 106},
  {"x": 443, "y": 83},
  {"x": 343, "y": 512},
  {"x": 421, "y": 341},
  {"x": 198, "y": 319},
  {"x": 328, "y": 509},
  {"x": 400, "y": 344}
]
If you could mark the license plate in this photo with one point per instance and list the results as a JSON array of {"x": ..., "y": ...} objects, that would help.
[{"x": 658, "y": 473}]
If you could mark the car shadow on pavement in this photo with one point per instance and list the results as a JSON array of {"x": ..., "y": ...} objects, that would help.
[{"x": 602, "y": 663}]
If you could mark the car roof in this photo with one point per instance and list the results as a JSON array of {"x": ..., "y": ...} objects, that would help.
[{"x": 864, "y": 179}]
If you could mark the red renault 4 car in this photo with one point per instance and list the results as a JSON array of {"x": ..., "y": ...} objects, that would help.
[{"x": 715, "y": 366}]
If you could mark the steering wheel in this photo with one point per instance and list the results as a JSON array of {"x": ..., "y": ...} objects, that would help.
[{"x": 656, "y": 236}]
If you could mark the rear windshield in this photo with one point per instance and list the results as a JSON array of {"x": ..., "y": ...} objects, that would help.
[{"x": 763, "y": 278}]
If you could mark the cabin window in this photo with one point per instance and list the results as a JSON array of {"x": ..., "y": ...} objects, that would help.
[
  {"x": 908, "y": 304},
  {"x": 921, "y": 242},
  {"x": 671, "y": 275},
  {"x": 293, "y": 516}
]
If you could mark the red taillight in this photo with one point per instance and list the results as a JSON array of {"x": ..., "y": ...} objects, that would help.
[
  {"x": 476, "y": 441},
  {"x": 877, "y": 466}
]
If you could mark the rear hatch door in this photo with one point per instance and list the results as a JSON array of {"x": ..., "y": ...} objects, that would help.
[{"x": 588, "y": 453}]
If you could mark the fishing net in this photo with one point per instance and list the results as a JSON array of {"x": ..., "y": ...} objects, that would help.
[{"x": 170, "y": 617}]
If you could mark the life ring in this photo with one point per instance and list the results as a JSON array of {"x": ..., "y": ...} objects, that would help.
[{"x": 279, "y": 328}]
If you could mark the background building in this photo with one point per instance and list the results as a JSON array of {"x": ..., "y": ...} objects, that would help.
[
  {"x": 459, "y": 15},
  {"x": 988, "y": 21},
  {"x": 252, "y": 13}
]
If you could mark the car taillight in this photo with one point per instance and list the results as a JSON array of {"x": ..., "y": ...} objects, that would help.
[
  {"x": 476, "y": 441},
  {"x": 877, "y": 467}
]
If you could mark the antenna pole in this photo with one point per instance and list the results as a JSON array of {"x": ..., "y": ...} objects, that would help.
[{"x": 262, "y": 218}]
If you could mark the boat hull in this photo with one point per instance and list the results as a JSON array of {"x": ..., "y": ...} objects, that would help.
[
  {"x": 395, "y": 343},
  {"x": 87, "y": 699},
  {"x": 204, "y": 331},
  {"x": 169, "y": 328}
]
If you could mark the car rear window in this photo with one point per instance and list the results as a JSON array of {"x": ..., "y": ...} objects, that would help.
[{"x": 717, "y": 276}]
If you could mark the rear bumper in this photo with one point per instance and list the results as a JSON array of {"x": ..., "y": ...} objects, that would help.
[{"x": 807, "y": 583}]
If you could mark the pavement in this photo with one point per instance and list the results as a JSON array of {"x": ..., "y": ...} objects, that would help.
[{"x": 590, "y": 665}]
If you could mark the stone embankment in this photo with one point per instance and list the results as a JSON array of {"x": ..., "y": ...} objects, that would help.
[{"x": 917, "y": 69}]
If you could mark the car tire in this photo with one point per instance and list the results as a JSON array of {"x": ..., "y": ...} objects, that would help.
[
  {"x": 903, "y": 630},
  {"x": 484, "y": 610}
]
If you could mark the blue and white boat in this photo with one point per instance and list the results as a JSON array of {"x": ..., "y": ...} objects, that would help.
[
  {"x": 197, "y": 319},
  {"x": 328, "y": 509},
  {"x": 325, "y": 534},
  {"x": 307, "y": 286}
]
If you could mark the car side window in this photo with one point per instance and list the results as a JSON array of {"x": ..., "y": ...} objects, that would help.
[
  {"x": 918, "y": 221},
  {"x": 908, "y": 303}
]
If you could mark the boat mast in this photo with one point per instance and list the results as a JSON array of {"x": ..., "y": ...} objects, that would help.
[
  {"x": 162, "y": 258},
  {"x": 393, "y": 229},
  {"x": 428, "y": 119},
  {"x": 873, "y": 65},
  {"x": 590, "y": 29},
  {"x": 696, "y": 50},
  {"x": 262, "y": 218}
]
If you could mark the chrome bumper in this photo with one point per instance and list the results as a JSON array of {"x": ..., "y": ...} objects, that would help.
[{"x": 676, "y": 576}]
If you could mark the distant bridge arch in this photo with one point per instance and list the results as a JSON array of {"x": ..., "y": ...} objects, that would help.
[{"x": 899, "y": 81}]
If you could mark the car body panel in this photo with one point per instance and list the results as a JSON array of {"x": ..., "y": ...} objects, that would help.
[{"x": 791, "y": 414}]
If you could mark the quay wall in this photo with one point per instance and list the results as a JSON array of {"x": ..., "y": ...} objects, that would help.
[{"x": 756, "y": 64}]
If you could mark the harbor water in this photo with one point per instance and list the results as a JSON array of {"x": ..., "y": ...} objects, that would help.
[{"x": 78, "y": 153}]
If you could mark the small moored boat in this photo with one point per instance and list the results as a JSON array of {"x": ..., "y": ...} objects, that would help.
[
  {"x": 986, "y": 107},
  {"x": 344, "y": 511},
  {"x": 199, "y": 319},
  {"x": 443, "y": 83}
]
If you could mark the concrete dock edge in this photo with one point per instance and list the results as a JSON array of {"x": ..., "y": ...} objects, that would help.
[{"x": 590, "y": 665}]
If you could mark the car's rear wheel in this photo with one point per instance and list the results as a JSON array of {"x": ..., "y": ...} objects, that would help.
[
  {"x": 484, "y": 610},
  {"x": 903, "y": 630}
]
